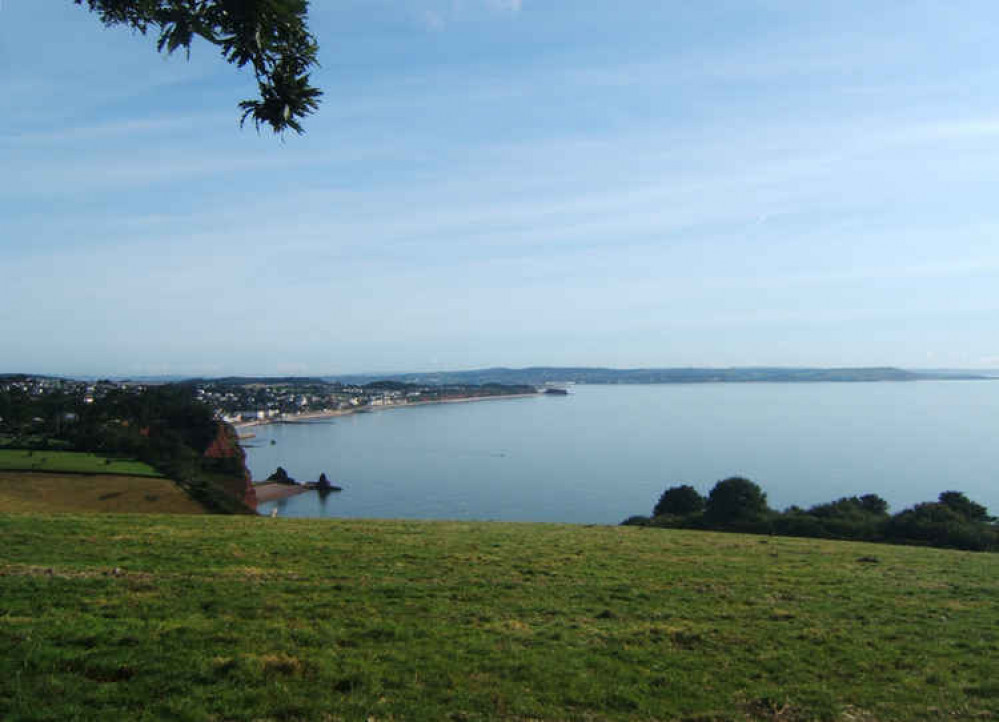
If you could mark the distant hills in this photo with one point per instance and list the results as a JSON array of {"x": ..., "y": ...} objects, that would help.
[
  {"x": 258, "y": 380},
  {"x": 538, "y": 375}
]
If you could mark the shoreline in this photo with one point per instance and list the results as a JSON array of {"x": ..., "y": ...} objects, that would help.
[
  {"x": 334, "y": 413},
  {"x": 267, "y": 491}
]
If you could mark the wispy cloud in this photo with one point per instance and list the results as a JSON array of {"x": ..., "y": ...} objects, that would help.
[
  {"x": 118, "y": 130},
  {"x": 442, "y": 14},
  {"x": 511, "y": 6},
  {"x": 641, "y": 188}
]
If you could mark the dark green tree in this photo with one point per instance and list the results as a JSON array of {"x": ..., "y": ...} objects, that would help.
[
  {"x": 964, "y": 506},
  {"x": 940, "y": 524},
  {"x": 271, "y": 36},
  {"x": 680, "y": 500},
  {"x": 735, "y": 500},
  {"x": 874, "y": 504},
  {"x": 852, "y": 506}
]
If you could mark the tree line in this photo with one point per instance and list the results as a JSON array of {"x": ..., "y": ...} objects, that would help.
[{"x": 740, "y": 505}]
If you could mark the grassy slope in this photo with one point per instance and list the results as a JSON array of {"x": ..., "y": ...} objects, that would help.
[
  {"x": 37, "y": 492},
  {"x": 71, "y": 462},
  {"x": 249, "y": 618}
]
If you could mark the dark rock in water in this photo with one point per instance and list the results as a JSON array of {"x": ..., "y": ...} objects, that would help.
[
  {"x": 323, "y": 486},
  {"x": 280, "y": 476}
]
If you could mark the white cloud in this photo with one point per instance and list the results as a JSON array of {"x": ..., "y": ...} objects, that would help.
[
  {"x": 117, "y": 129},
  {"x": 512, "y": 6},
  {"x": 438, "y": 15}
]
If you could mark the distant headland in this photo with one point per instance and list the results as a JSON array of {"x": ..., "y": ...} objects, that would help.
[{"x": 540, "y": 375}]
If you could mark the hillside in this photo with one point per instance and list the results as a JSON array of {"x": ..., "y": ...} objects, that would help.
[
  {"x": 151, "y": 617},
  {"x": 538, "y": 375},
  {"x": 68, "y": 427}
]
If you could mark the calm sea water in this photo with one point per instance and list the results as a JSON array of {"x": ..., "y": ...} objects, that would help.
[{"x": 606, "y": 452}]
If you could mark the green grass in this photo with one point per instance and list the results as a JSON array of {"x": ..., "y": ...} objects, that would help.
[
  {"x": 71, "y": 462},
  {"x": 240, "y": 618}
]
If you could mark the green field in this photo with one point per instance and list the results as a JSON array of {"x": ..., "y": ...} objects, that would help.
[
  {"x": 239, "y": 618},
  {"x": 71, "y": 462}
]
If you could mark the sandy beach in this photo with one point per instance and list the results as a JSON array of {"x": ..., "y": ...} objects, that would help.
[
  {"x": 332, "y": 414},
  {"x": 272, "y": 491}
]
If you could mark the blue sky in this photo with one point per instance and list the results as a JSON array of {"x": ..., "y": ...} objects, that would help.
[{"x": 494, "y": 182}]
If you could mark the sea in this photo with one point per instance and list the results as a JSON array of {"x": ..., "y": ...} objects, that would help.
[{"x": 603, "y": 453}]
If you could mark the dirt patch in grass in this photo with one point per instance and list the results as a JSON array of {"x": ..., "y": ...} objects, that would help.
[{"x": 35, "y": 492}]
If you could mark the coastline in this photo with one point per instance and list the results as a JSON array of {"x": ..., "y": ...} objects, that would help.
[
  {"x": 334, "y": 413},
  {"x": 273, "y": 491}
]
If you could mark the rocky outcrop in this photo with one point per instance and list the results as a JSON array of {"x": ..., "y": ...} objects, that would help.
[
  {"x": 230, "y": 463},
  {"x": 323, "y": 486}
]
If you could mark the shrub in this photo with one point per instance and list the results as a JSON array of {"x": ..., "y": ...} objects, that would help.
[
  {"x": 852, "y": 507},
  {"x": 939, "y": 524},
  {"x": 679, "y": 501},
  {"x": 736, "y": 500}
]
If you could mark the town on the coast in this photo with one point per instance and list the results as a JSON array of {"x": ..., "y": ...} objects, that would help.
[{"x": 245, "y": 401}]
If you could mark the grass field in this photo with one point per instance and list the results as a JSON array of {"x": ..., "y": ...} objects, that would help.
[
  {"x": 239, "y": 618},
  {"x": 38, "y": 492},
  {"x": 71, "y": 462}
]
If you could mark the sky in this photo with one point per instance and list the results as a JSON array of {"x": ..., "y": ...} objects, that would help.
[{"x": 643, "y": 183}]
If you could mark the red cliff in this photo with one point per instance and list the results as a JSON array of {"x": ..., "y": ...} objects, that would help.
[{"x": 234, "y": 477}]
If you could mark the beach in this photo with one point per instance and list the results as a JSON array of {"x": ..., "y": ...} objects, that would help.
[
  {"x": 272, "y": 491},
  {"x": 309, "y": 416}
]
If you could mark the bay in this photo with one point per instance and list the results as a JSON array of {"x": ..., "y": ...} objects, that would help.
[{"x": 604, "y": 453}]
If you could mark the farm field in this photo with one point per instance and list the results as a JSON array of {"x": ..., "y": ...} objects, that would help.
[
  {"x": 38, "y": 492},
  {"x": 236, "y": 618},
  {"x": 71, "y": 462}
]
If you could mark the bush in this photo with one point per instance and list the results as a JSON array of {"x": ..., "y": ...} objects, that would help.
[
  {"x": 737, "y": 504},
  {"x": 852, "y": 508},
  {"x": 679, "y": 501},
  {"x": 735, "y": 500},
  {"x": 799, "y": 523},
  {"x": 939, "y": 524}
]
